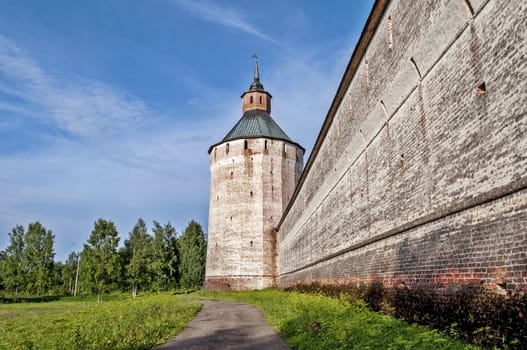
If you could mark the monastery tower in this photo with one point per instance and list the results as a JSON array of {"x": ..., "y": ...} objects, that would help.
[{"x": 254, "y": 171}]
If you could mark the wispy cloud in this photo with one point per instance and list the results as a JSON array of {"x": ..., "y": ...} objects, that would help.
[
  {"x": 151, "y": 166},
  {"x": 227, "y": 17},
  {"x": 81, "y": 107}
]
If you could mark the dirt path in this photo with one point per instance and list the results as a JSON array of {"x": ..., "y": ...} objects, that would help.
[{"x": 225, "y": 325}]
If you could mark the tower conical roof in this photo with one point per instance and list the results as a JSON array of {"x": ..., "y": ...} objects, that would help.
[{"x": 256, "y": 122}]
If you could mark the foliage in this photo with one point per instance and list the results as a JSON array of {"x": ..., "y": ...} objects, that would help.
[
  {"x": 467, "y": 311},
  {"x": 27, "y": 264},
  {"x": 193, "y": 249},
  {"x": 3, "y": 258},
  {"x": 100, "y": 259},
  {"x": 149, "y": 262},
  {"x": 78, "y": 323},
  {"x": 69, "y": 273},
  {"x": 319, "y": 322},
  {"x": 164, "y": 257},
  {"x": 13, "y": 267},
  {"x": 139, "y": 245},
  {"x": 38, "y": 258}
]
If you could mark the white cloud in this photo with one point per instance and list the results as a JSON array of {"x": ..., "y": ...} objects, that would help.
[
  {"x": 128, "y": 160},
  {"x": 161, "y": 175},
  {"x": 227, "y": 17},
  {"x": 152, "y": 166},
  {"x": 82, "y": 107}
]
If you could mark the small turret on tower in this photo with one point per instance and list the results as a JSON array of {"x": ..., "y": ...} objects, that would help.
[{"x": 256, "y": 97}]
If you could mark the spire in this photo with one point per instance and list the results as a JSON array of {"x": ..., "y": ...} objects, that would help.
[
  {"x": 256, "y": 97},
  {"x": 256, "y": 85},
  {"x": 256, "y": 73}
]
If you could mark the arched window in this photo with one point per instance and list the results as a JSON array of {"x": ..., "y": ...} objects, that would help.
[
  {"x": 245, "y": 144},
  {"x": 261, "y": 99},
  {"x": 265, "y": 144},
  {"x": 251, "y": 99},
  {"x": 227, "y": 148}
]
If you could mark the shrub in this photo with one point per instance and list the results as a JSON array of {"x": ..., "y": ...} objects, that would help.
[{"x": 469, "y": 312}]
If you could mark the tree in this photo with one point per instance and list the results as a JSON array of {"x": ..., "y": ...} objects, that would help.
[
  {"x": 100, "y": 258},
  {"x": 14, "y": 269},
  {"x": 38, "y": 258},
  {"x": 3, "y": 258},
  {"x": 139, "y": 246},
  {"x": 69, "y": 272},
  {"x": 192, "y": 248},
  {"x": 164, "y": 256},
  {"x": 57, "y": 282}
]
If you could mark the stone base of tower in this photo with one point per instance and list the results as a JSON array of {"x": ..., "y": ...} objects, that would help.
[{"x": 220, "y": 283}]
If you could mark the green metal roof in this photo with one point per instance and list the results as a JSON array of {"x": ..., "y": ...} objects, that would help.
[{"x": 256, "y": 123}]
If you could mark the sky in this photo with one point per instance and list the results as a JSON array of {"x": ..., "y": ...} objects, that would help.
[{"x": 107, "y": 108}]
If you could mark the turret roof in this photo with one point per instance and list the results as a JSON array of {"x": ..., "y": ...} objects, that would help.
[{"x": 256, "y": 123}]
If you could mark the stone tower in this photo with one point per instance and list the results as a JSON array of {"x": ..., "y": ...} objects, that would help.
[{"x": 254, "y": 171}]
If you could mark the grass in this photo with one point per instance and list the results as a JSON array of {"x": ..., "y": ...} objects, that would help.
[
  {"x": 318, "y": 322},
  {"x": 119, "y": 322}
]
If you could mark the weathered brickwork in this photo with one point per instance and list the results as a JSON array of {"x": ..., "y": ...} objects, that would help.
[
  {"x": 252, "y": 181},
  {"x": 249, "y": 190},
  {"x": 420, "y": 174}
]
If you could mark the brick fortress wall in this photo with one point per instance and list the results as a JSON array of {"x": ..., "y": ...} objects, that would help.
[{"x": 419, "y": 176}]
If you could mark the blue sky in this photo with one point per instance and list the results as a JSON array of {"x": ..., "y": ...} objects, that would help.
[{"x": 107, "y": 108}]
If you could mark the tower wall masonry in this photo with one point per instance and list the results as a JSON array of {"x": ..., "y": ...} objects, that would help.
[{"x": 251, "y": 182}]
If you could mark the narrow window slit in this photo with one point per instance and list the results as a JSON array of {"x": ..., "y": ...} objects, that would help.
[
  {"x": 481, "y": 89},
  {"x": 366, "y": 75},
  {"x": 389, "y": 29}
]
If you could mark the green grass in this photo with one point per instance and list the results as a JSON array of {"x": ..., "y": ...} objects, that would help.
[
  {"x": 305, "y": 321},
  {"x": 343, "y": 325},
  {"x": 81, "y": 323}
]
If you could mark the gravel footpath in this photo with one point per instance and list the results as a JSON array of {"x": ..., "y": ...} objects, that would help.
[{"x": 226, "y": 325}]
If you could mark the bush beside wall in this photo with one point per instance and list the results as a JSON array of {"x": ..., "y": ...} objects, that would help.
[{"x": 470, "y": 311}]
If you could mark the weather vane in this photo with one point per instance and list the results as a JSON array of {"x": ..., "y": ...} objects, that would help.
[{"x": 255, "y": 57}]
